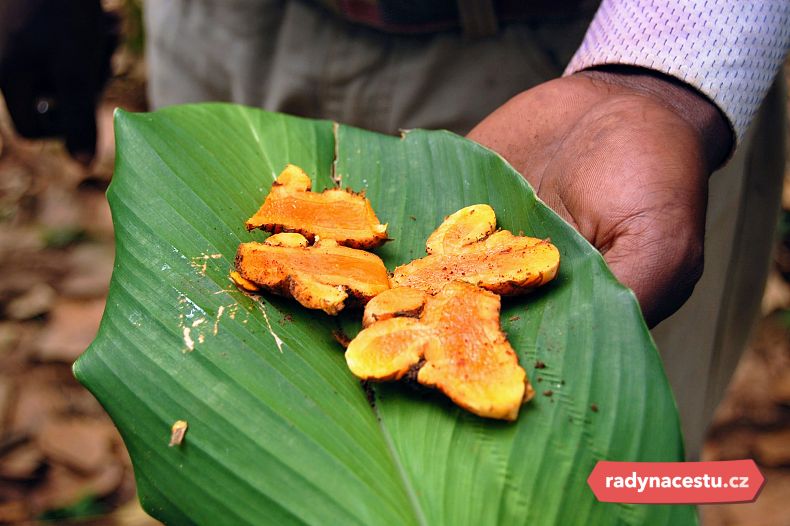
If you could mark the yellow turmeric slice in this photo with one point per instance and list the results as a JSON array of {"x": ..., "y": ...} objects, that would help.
[
  {"x": 341, "y": 215},
  {"x": 242, "y": 283},
  {"x": 403, "y": 301},
  {"x": 466, "y": 226},
  {"x": 287, "y": 239},
  {"x": 456, "y": 345},
  {"x": 389, "y": 349},
  {"x": 466, "y": 248},
  {"x": 322, "y": 276}
]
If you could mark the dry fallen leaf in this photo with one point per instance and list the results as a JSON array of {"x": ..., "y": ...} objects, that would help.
[{"x": 177, "y": 432}]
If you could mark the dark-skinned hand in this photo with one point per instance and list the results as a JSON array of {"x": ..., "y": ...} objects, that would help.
[{"x": 624, "y": 155}]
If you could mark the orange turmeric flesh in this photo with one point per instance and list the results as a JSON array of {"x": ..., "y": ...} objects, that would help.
[
  {"x": 457, "y": 347},
  {"x": 335, "y": 214},
  {"x": 466, "y": 248},
  {"x": 322, "y": 276}
]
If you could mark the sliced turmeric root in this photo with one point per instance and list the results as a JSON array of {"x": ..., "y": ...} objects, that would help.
[
  {"x": 335, "y": 214},
  {"x": 462, "y": 228},
  {"x": 475, "y": 364},
  {"x": 400, "y": 302},
  {"x": 466, "y": 248},
  {"x": 389, "y": 349},
  {"x": 456, "y": 345},
  {"x": 323, "y": 276}
]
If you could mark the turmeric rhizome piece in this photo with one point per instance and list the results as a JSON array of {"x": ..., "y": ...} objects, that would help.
[
  {"x": 441, "y": 318},
  {"x": 453, "y": 341},
  {"x": 392, "y": 303},
  {"x": 323, "y": 276},
  {"x": 336, "y": 214},
  {"x": 466, "y": 247}
]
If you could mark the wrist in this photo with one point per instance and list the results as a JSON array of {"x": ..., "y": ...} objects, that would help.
[{"x": 708, "y": 122}]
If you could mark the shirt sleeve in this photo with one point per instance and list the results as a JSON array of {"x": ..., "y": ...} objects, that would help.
[{"x": 730, "y": 50}]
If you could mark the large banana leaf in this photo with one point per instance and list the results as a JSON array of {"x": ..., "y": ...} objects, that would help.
[{"x": 279, "y": 431}]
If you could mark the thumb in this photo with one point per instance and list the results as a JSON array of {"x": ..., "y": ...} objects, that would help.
[{"x": 661, "y": 268}]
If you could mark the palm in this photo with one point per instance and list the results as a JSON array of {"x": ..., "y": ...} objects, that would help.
[{"x": 624, "y": 170}]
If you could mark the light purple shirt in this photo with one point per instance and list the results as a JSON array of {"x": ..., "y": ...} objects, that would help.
[{"x": 730, "y": 50}]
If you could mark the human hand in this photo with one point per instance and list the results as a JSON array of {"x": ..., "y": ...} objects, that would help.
[{"x": 624, "y": 155}]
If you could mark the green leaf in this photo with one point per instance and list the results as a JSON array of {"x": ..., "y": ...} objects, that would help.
[{"x": 279, "y": 431}]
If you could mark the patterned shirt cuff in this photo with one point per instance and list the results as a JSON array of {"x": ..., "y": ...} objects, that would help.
[{"x": 728, "y": 50}]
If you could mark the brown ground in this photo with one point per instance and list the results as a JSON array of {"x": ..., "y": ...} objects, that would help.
[{"x": 60, "y": 454}]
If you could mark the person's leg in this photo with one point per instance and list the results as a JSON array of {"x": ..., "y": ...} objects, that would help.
[
  {"x": 328, "y": 68},
  {"x": 210, "y": 50},
  {"x": 701, "y": 343},
  {"x": 299, "y": 59}
]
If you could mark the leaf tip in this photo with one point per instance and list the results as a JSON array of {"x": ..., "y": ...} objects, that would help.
[
  {"x": 78, "y": 368},
  {"x": 119, "y": 113}
]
